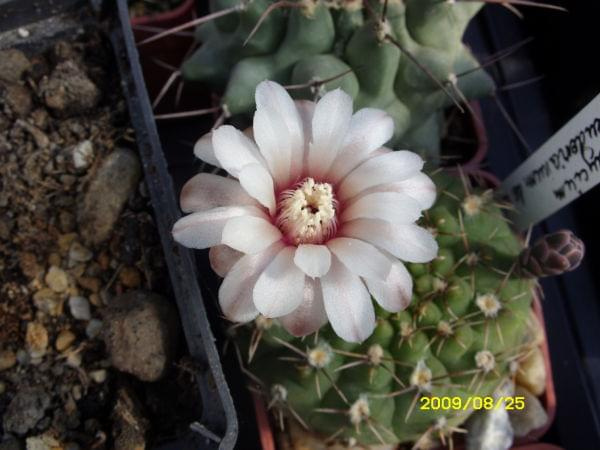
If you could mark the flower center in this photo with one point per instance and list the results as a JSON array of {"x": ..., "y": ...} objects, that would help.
[{"x": 306, "y": 214}]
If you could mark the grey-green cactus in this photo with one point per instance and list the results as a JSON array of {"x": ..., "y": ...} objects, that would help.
[{"x": 409, "y": 60}]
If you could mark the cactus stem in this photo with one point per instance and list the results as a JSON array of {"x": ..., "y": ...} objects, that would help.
[
  {"x": 520, "y": 3},
  {"x": 425, "y": 69},
  {"x": 394, "y": 376},
  {"x": 193, "y": 23},
  {"x": 335, "y": 386},
  {"x": 265, "y": 14}
]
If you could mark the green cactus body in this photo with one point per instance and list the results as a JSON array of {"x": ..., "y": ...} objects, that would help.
[
  {"x": 466, "y": 324},
  {"x": 308, "y": 43}
]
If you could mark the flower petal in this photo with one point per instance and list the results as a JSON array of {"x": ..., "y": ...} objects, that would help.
[
  {"x": 206, "y": 191},
  {"x": 395, "y": 293},
  {"x": 360, "y": 258},
  {"x": 249, "y": 234},
  {"x": 273, "y": 139},
  {"x": 222, "y": 258},
  {"x": 235, "y": 293},
  {"x": 204, "y": 150},
  {"x": 384, "y": 168},
  {"x": 256, "y": 181},
  {"x": 273, "y": 96},
  {"x": 234, "y": 149},
  {"x": 408, "y": 242},
  {"x": 329, "y": 127},
  {"x": 390, "y": 206},
  {"x": 310, "y": 315},
  {"x": 419, "y": 187},
  {"x": 370, "y": 128},
  {"x": 204, "y": 229},
  {"x": 313, "y": 260},
  {"x": 306, "y": 109},
  {"x": 280, "y": 288},
  {"x": 347, "y": 303}
]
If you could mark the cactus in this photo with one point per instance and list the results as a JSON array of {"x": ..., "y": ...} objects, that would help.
[
  {"x": 409, "y": 60},
  {"x": 460, "y": 337}
]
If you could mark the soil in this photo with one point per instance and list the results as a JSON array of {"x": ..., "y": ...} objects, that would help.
[{"x": 61, "y": 117}]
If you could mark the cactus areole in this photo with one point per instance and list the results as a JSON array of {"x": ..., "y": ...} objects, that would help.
[{"x": 316, "y": 216}]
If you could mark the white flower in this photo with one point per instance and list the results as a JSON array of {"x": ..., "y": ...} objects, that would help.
[{"x": 315, "y": 217}]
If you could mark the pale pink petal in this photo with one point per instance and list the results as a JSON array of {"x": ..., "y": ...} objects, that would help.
[
  {"x": 408, "y": 242},
  {"x": 370, "y": 129},
  {"x": 235, "y": 293},
  {"x": 330, "y": 124},
  {"x": 273, "y": 139},
  {"x": 390, "y": 206},
  {"x": 206, "y": 191},
  {"x": 280, "y": 288},
  {"x": 203, "y": 149},
  {"x": 384, "y": 168},
  {"x": 395, "y": 293},
  {"x": 310, "y": 315},
  {"x": 249, "y": 234},
  {"x": 273, "y": 96},
  {"x": 204, "y": 229},
  {"x": 347, "y": 303},
  {"x": 419, "y": 187},
  {"x": 256, "y": 181},
  {"x": 313, "y": 260},
  {"x": 360, "y": 258},
  {"x": 222, "y": 258},
  {"x": 234, "y": 149},
  {"x": 306, "y": 109}
]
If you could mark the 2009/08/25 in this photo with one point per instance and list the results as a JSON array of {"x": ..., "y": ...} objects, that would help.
[{"x": 458, "y": 403}]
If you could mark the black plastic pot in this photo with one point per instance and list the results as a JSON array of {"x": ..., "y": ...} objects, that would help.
[{"x": 49, "y": 20}]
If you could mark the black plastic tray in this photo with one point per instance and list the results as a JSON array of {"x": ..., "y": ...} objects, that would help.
[{"x": 218, "y": 426}]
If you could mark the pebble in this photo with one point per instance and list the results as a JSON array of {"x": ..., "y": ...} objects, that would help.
[
  {"x": 90, "y": 283},
  {"x": 531, "y": 373},
  {"x": 36, "y": 339},
  {"x": 13, "y": 63},
  {"x": 74, "y": 359},
  {"x": 93, "y": 328},
  {"x": 68, "y": 90},
  {"x": 64, "y": 340},
  {"x": 533, "y": 416},
  {"x": 108, "y": 192},
  {"x": 57, "y": 279},
  {"x": 18, "y": 98},
  {"x": 99, "y": 376},
  {"x": 48, "y": 301},
  {"x": 79, "y": 253},
  {"x": 43, "y": 442},
  {"x": 23, "y": 32},
  {"x": 80, "y": 308},
  {"x": 131, "y": 426},
  {"x": 26, "y": 409},
  {"x": 7, "y": 359},
  {"x": 130, "y": 277},
  {"x": 141, "y": 332},
  {"x": 83, "y": 155}
]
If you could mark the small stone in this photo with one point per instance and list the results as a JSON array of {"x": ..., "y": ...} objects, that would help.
[
  {"x": 130, "y": 426},
  {"x": 141, "y": 331},
  {"x": 57, "y": 279},
  {"x": 7, "y": 359},
  {"x": 108, "y": 192},
  {"x": 44, "y": 441},
  {"x": 74, "y": 359},
  {"x": 23, "y": 357},
  {"x": 29, "y": 265},
  {"x": 79, "y": 253},
  {"x": 64, "y": 340},
  {"x": 80, "y": 308},
  {"x": 65, "y": 241},
  {"x": 90, "y": 283},
  {"x": 36, "y": 339},
  {"x": 68, "y": 90},
  {"x": 13, "y": 63},
  {"x": 530, "y": 418},
  {"x": 18, "y": 98},
  {"x": 26, "y": 409},
  {"x": 130, "y": 277},
  {"x": 48, "y": 301},
  {"x": 531, "y": 373},
  {"x": 23, "y": 32},
  {"x": 95, "y": 300},
  {"x": 93, "y": 328},
  {"x": 83, "y": 155},
  {"x": 99, "y": 376},
  {"x": 54, "y": 259}
]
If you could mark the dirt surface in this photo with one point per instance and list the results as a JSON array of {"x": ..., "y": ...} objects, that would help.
[{"x": 64, "y": 141}]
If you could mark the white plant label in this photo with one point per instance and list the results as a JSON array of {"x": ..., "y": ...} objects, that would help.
[{"x": 561, "y": 170}]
